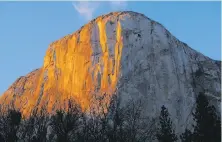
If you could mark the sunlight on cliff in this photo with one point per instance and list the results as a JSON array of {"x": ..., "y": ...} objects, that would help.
[
  {"x": 111, "y": 70},
  {"x": 70, "y": 71}
]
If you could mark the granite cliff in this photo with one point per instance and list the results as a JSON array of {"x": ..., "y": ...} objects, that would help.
[{"x": 125, "y": 53}]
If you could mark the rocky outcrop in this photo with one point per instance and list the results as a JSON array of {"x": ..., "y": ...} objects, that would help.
[{"x": 125, "y": 53}]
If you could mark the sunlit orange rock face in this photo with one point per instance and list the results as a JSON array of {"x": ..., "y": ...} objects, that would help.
[{"x": 78, "y": 66}]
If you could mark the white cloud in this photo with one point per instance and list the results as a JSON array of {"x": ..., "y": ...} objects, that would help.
[
  {"x": 86, "y": 9},
  {"x": 118, "y": 5}
]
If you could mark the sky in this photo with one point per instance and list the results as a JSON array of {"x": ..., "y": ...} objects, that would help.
[{"x": 27, "y": 28}]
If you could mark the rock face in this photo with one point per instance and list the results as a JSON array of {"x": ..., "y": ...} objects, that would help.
[{"x": 125, "y": 53}]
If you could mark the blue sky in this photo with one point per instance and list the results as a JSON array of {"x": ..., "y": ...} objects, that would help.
[{"x": 27, "y": 28}]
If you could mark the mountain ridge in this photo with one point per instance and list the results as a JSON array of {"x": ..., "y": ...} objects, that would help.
[{"x": 125, "y": 53}]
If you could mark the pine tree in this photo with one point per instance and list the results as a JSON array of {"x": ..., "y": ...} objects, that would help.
[
  {"x": 65, "y": 124},
  {"x": 165, "y": 132},
  {"x": 10, "y": 125},
  {"x": 207, "y": 128},
  {"x": 186, "y": 136}
]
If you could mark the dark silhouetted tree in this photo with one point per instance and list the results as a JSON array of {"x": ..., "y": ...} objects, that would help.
[
  {"x": 207, "y": 128},
  {"x": 9, "y": 125},
  {"x": 186, "y": 136},
  {"x": 34, "y": 128},
  {"x": 165, "y": 132},
  {"x": 66, "y": 124}
]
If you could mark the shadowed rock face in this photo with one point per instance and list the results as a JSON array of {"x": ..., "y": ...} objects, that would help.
[{"x": 125, "y": 53}]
